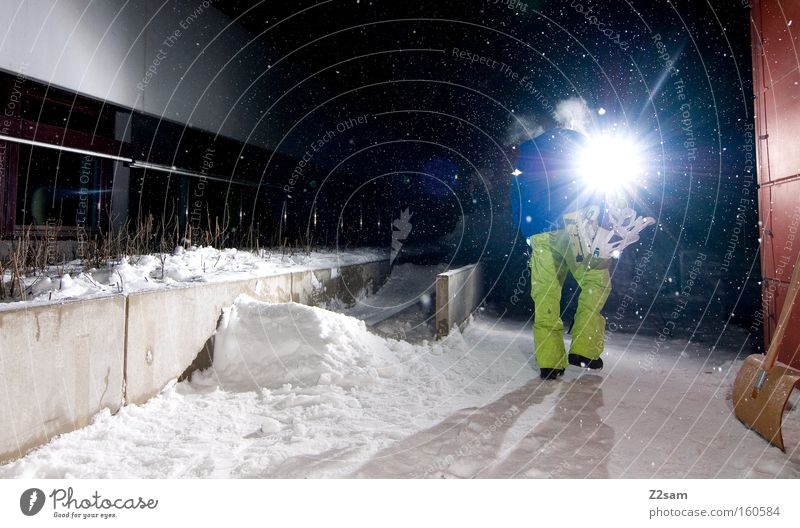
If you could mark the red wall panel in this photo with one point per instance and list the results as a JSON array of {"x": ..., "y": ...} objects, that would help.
[
  {"x": 776, "y": 76},
  {"x": 774, "y": 296},
  {"x": 779, "y": 57},
  {"x": 780, "y": 241}
]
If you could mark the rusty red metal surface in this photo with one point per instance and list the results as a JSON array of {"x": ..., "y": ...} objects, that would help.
[{"x": 776, "y": 76}]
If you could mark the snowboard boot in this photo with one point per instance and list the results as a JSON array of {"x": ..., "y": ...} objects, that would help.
[
  {"x": 584, "y": 362},
  {"x": 550, "y": 373}
]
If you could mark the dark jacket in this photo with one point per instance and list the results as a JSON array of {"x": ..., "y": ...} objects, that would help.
[{"x": 549, "y": 184}]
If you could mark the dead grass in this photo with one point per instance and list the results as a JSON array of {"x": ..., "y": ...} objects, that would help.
[{"x": 32, "y": 251}]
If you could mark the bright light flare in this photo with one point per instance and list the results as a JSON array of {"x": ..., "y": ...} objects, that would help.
[{"x": 610, "y": 163}]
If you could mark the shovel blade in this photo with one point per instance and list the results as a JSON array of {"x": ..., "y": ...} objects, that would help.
[{"x": 763, "y": 411}]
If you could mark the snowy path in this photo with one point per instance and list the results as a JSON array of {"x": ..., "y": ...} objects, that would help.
[{"x": 302, "y": 392}]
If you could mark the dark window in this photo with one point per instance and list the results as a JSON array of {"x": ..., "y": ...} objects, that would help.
[{"x": 61, "y": 188}]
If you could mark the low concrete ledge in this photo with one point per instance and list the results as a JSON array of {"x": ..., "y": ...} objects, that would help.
[
  {"x": 345, "y": 284},
  {"x": 458, "y": 294},
  {"x": 365, "y": 279},
  {"x": 60, "y": 364}
]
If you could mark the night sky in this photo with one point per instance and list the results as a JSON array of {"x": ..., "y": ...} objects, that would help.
[{"x": 419, "y": 105}]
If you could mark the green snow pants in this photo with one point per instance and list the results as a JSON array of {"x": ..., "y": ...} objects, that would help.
[{"x": 551, "y": 258}]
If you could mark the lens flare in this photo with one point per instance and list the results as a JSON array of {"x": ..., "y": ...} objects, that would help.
[{"x": 610, "y": 163}]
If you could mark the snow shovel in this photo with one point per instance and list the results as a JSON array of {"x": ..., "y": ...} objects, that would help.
[{"x": 763, "y": 387}]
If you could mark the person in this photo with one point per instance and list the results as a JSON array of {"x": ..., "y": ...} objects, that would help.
[{"x": 546, "y": 191}]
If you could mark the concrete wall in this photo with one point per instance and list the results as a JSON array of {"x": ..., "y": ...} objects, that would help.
[
  {"x": 345, "y": 284},
  {"x": 60, "y": 364},
  {"x": 458, "y": 294}
]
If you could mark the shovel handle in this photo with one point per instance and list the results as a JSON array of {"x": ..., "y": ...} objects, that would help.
[
  {"x": 783, "y": 320},
  {"x": 761, "y": 377}
]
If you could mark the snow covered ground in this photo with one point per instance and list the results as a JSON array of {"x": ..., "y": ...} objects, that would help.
[
  {"x": 183, "y": 266},
  {"x": 303, "y": 392}
]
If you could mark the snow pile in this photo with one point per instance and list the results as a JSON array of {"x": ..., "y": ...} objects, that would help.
[
  {"x": 183, "y": 266},
  {"x": 270, "y": 345}
]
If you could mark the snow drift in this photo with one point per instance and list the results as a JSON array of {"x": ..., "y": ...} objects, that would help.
[{"x": 270, "y": 345}]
